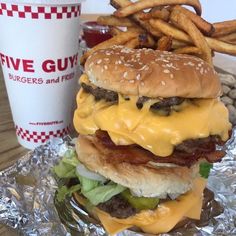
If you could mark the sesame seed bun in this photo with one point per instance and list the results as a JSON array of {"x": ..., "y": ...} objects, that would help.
[
  {"x": 143, "y": 180},
  {"x": 152, "y": 73}
]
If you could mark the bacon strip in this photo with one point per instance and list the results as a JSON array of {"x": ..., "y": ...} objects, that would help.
[{"x": 185, "y": 154}]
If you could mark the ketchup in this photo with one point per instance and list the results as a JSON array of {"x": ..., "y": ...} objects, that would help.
[{"x": 93, "y": 33}]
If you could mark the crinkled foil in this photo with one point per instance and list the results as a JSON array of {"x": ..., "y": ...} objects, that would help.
[{"x": 28, "y": 203}]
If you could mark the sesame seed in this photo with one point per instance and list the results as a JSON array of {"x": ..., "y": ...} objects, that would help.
[
  {"x": 131, "y": 81},
  {"x": 142, "y": 84},
  {"x": 163, "y": 83},
  {"x": 125, "y": 74},
  {"x": 202, "y": 70},
  {"x": 105, "y": 67},
  {"x": 138, "y": 77},
  {"x": 171, "y": 76},
  {"x": 165, "y": 60},
  {"x": 166, "y": 71},
  {"x": 91, "y": 64},
  {"x": 99, "y": 61}
]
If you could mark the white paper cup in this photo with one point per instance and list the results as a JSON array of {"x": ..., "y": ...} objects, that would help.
[{"x": 39, "y": 44}]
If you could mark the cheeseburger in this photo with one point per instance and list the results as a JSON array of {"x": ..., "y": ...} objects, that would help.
[{"x": 150, "y": 124}]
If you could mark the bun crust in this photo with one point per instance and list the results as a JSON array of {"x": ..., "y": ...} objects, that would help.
[
  {"x": 152, "y": 73},
  {"x": 143, "y": 180}
]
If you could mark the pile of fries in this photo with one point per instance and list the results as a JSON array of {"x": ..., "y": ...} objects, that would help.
[{"x": 167, "y": 25}]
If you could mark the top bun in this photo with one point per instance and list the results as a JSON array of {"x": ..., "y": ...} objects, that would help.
[{"x": 152, "y": 73}]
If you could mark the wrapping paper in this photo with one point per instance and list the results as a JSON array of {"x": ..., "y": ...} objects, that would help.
[{"x": 28, "y": 203}]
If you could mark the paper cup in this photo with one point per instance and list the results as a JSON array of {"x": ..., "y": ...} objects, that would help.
[{"x": 39, "y": 47}]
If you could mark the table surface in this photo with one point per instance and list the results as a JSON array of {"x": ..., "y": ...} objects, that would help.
[{"x": 10, "y": 150}]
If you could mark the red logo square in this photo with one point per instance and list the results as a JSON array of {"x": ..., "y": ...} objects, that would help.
[
  {"x": 73, "y": 9},
  {"x": 68, "y": 15},
  {"x": 48, "y": 16},
  {"x": 64, "y": 9},
  {"x": 59, "y": 15},
  {"x": 34, "y": 15},
  {"x": 53, "y": 9},
  {"x": 9, "y": 13},
  {"x": 41, "y": 9},
  {"x": 14, "y": 7},
  {"x": 3, "y": 6},
  {"x": 27, "y": 8},
  {"x": 0, "y": 11}
]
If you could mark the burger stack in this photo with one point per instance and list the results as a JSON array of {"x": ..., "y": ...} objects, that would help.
[{"x": 150, "y": 125}]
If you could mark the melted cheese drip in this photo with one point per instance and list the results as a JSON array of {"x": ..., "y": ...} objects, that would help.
[
  {"x": 161, "y": 220},
  {"x": 126, "y": 124}
]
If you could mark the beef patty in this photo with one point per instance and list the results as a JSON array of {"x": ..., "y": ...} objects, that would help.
[{"x": 111, "y": 96}]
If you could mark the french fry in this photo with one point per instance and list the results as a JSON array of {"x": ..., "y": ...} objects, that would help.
[
  {"x": 162, "y": 14},
  {"x": 170, "y": 30},
  {"x": 120, "y": 3},
  {"x": 228, "y": 38},
  {"x": 150, "y": 29},
  {"x": 214, "y": 44},
  {"x": 188, "y": 50},
  {"x": 119, "y": 39},
  {"x": 224, "y": 28},
  {"x": 145, "y": 25},
  {"x": 204, "y": 26},
  {"x": 144, "y": 41},
  {"x": 133, "y": 43},
  {"x": 115, "y": 21},
  {"x": 146, "y": 4},
  {"x": 115, "y": 31},
  {"x": 144, "y": 38},
  {"x": 179, "y": 44},
  {"x": 168, "y": 26},
  {"x": 164, "y": 43},
  {"x": 220, "y": 46},
  {"x": 197, "y": 37}
]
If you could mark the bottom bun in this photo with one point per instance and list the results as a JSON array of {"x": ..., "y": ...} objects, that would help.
[
  {"x": 142, "y": 180},
  {"x": 163, "y": 219}
]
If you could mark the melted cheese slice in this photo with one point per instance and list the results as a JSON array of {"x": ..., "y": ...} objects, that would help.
[
  {"x": 126, "y": 124},
  {"x": 161, "y": 220}
]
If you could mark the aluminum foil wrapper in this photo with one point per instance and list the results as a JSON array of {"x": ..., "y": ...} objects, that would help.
[{"x": 28, "y": 203}]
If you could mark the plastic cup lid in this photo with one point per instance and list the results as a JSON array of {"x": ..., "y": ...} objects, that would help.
[{"x": 44, "y": 2}]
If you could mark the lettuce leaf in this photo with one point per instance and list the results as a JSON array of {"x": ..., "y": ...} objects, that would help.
[
  {"x": 67, "y": 166},
  {"x": 87, "y": 184},
  {"x": 63, "y": 191},
  {"x": 95, "y": 191},
  {"x": 205, "y": 169},
  {"x": 103, "y": 193}
]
